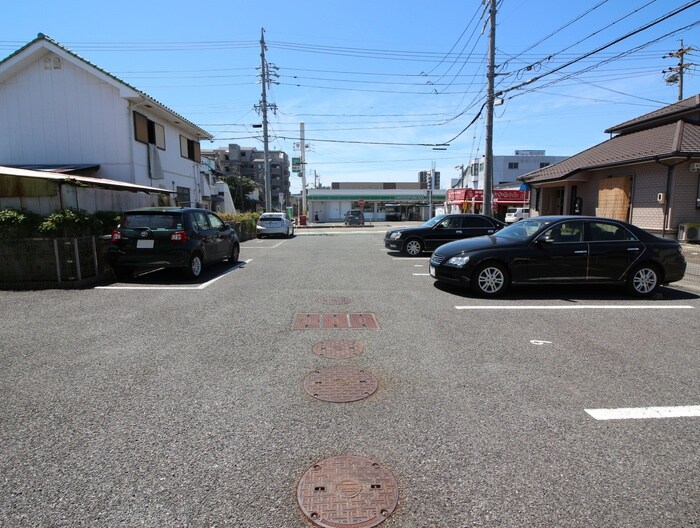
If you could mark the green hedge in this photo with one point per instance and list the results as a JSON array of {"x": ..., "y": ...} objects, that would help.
[
  {"x": 244, "y": 223},
  {"x": 74, "y": 223}
]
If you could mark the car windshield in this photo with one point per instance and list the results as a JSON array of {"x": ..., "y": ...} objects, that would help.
[
  {"x": 521, "y": 230},
  {"x": 153, "y": 221},
  {"x": 271, "y": 217},
  {"x": 433, "y": 221}
]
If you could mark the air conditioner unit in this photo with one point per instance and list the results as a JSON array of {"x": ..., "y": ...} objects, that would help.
[
  {"x": 695, "y": 167},
  {"x": 689, "y": 232}
]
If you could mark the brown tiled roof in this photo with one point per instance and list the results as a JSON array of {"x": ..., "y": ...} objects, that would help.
[
  {"x": 666, "y": 141},
  {"x": 670, "y": 112}
]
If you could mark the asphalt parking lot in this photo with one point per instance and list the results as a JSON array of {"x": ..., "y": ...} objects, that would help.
[{"x": 167, "y": 402}]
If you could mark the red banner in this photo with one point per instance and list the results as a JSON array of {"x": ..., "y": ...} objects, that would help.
[{"x": 499, "y": 195}]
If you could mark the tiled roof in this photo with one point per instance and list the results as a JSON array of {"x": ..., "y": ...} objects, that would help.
[
  {"x": 670, "y": 112},
  {"x": 666, "y": 141},
  {"x": 42, "y": 37}
]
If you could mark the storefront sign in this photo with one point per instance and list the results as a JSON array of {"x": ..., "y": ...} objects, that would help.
[{"x": 477, "y": 195}]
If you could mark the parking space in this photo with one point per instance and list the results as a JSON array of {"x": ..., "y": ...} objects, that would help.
[
  {"x": 322, "y": 357},
  {"x": 172, "y": 279}
]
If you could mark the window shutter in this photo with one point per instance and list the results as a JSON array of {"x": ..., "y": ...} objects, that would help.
[
  {"x": 140, "y": 128},
  {"x": 183, "y": 146},
  {"x": 197, "y": 152},
  {"x": 160, "y": 136}
]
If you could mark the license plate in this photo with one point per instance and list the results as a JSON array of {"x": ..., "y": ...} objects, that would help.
[
  {"x": 432, "y": 271},
  {"x": 144, "y": 244}
]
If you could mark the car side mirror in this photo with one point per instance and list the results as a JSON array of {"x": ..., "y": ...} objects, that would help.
[{"x": 545, "y": 240}]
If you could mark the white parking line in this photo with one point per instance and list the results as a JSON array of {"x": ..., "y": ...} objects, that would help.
[
  {"x": 643, "y": 413},
  {"x": 421, "y": 274},
  {"x": 200, "y": 287},
  {"x": 582, "y": 307}
]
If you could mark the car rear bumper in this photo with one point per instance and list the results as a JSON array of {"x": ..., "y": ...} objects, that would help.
[
  {"x": 135, "y": 259},
  {"x": 265, "y": 231}
]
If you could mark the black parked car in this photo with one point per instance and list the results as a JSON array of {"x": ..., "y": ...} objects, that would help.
[
  {"x": 171, "y": 237},
  {"x": 561, "y": 250},
  {"x": 437, "y": 231}
]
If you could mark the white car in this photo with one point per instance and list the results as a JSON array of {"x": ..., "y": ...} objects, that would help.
[
  {"x": 270, "y": 224},
  {"x": 515, "y": 214}
]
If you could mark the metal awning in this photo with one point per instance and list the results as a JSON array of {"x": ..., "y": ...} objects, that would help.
[
  {"x": 83, "y": 181},
  {"x": 62, "y": 169}
]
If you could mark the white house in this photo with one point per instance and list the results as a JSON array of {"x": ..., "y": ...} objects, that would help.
[{"x": 58, "y": 111}]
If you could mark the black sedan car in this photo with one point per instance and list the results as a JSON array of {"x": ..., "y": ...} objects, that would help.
[
  {"x": 561, "y": 250},
  {"x": 412, "y": 241},
  {"x": 171, "y": 237}
]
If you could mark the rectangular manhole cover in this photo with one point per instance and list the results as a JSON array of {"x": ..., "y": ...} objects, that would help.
[{"x": 343, "y": 320}]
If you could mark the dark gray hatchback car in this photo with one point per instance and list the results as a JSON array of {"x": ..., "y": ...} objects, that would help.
[{"x": 171, "y": 237}]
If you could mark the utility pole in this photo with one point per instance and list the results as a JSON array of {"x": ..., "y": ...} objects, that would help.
[
  {"x": 265, "y": 80},
  {"x": 431, "y": 180},
  {"x": 488, "y": 162},
  {"x": 676, "y": 74},
  {"x": 302, "y": 158}
]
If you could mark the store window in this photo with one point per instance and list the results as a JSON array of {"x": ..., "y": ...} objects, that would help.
[{"x": 367, "y": 207}]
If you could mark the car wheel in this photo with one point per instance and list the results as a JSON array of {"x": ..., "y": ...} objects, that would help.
[
  {"x": 413, "y": 247},
  {"x": 235, "y": 253},
  {"x": 643, "y": 281},
  {"x": 490, "y": 279},
  {"x": 122, "y": 272},
  {"x": 194, "y": 270}
]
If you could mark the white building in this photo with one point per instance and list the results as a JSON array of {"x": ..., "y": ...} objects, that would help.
[
  {"x": 380, "y": 201},
  {"x": 506, "y": 169},
  {"x": 60, "y": 112}
]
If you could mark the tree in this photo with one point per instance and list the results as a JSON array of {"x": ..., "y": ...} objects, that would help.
[{"x": 241, "y": 187}]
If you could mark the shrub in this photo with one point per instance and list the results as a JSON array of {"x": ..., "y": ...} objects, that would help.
[
  {"x": 107, "y": 220},
  {"x": 244, "y": 223},
  {"x": 67, "y": 223},
  {"x": 18, "y": 224}
]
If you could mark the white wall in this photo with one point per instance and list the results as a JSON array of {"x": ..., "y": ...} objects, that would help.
[
  {"x": 63, "y": 116},
  {"x": 66, "y": 115}
]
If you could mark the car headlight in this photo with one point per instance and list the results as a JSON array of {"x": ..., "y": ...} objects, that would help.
[
  {"x": 459, "y": 261},
  {"x": 395, "y": 236}
]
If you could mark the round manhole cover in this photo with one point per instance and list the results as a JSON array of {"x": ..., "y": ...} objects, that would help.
[
  {"x": 347, "y": 491},
  {"x": 338, "y": 349},
  {"x": 334, "y": 301},
  {"x": 340, "y": 384}
]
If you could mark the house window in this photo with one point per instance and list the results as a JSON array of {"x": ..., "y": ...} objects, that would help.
[
  {"x": 513, "y": 165},
  {"x": 543, "y": 165},
  {"x": 183, "y": 196},
  {"x": 190, "y": 149},
  {"x": 149, "y": 132}
]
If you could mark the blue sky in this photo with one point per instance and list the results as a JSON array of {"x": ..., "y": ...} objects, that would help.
[{"x": 362, "y": 74}]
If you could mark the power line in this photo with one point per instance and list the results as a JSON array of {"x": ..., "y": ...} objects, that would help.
[{"x": 605, "y": 46}]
